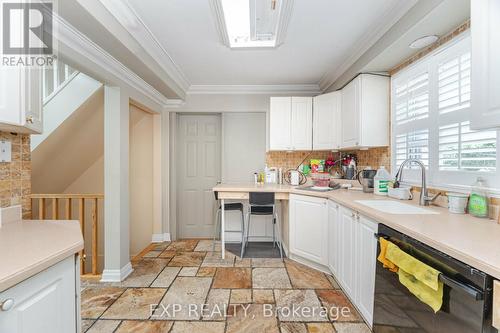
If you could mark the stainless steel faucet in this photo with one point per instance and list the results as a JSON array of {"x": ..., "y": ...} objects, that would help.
[{"x": 425, "y": 200}]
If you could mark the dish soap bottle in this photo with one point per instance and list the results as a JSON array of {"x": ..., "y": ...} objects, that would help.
[
  {"x": 381, "y": 181},
  {"x": 479, "y": 200}
]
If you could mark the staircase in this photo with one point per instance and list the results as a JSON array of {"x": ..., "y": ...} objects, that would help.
[
  {"x": 65, "y": 90},
  {"x": 68, "y": 158}
]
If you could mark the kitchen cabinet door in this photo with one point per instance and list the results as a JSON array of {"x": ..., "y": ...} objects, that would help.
[
  {"x": 327, "y": 121},
  {"x": 366, "y": 252},
  {"x": 45, "y": 302},
  {"x": 485, "y": 99},
  {"x": 365, "y": 112},
  {"x": 10, "y": 98},
  {"x": 351, "y": 114},
  {"x": 301, "y": 123},
  {"x": 347, "y": 273},
  {"x": 280, "y": 123},
  {"x": 309, "y": 228},
  {"x": 334, "y": 248},
  {"x": 33, "y": 108},
  {"x": 21, "y": 99}
]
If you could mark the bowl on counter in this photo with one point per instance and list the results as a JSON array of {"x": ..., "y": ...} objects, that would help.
[{"x": 320, "y": 179}]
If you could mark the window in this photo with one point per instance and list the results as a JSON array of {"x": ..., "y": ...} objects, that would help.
[
  {"x": 431, "y": 112},
  {"x": 252, "y": 23}
]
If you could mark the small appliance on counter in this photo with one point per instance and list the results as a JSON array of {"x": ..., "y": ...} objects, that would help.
[{"x": 365, "y": 178}]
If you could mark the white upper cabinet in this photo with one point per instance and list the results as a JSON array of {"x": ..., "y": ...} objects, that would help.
[
  {"x": 365, "y": 112},
  {"x": 21, "y": 99},
  {"x": 301, "y": 127},
  {"x": 485, "y": 99},
  {"x": 290, "y": 123},
  {"x": 327, "y": 121},
  {"x": 280, "y": 118}
]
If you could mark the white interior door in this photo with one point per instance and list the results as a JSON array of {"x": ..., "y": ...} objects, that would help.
[{"x": 198, "y": 169}]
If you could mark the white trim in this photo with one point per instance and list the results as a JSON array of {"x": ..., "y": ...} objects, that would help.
[
  {"x": 158, "y": 238},
  {"x": 255, "y": 89},
  {"x": 174, "y": 103},
  {"x": 131, "y": 21},
  {"x": 117, "y": 275},
  {"x": 283, "y": 21},
  {"x": 74, "y": 39},
  {"x": 387, "y": 20}
]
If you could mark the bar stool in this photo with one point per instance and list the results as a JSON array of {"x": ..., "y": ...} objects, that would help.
[
  {"x": 233, "y": 206},
  {"x": 263, "y": 204}
]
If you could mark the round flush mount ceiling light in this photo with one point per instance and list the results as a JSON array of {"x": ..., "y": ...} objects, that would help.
[{"x": 423, "y": 41}]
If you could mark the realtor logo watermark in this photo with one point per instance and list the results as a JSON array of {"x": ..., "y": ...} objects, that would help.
[{"x": 27, "y": 37}]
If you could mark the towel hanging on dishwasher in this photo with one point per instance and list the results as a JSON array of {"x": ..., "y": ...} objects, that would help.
[{"x": 421, "y": 279}]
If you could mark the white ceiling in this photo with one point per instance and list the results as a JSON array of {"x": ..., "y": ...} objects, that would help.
[
  {"x": 446, "y": 16},
  {"x": 322, "y": 36}
]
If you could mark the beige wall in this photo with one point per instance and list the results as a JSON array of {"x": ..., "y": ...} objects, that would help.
[{"x": 141, "y": 179}]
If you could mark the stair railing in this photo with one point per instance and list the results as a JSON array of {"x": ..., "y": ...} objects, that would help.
[
  {"x": 55, "y": 78},
  {"x": 60, "y": 207}
]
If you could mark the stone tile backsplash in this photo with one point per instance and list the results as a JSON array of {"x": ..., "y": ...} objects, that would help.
[
  {"x": 15, "y": 177},
  {"x": 374, "y": 158}
]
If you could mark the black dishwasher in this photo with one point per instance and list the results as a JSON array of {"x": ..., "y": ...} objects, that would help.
[{"x": 467, "y": 298}]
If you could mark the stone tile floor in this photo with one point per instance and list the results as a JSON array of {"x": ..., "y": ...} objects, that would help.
[{"x": 182, "y": 286}]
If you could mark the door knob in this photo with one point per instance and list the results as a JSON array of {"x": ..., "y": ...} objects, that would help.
[{"x": 7, "y": 304}]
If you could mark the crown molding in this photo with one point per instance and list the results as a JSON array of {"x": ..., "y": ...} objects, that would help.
[
  {"x": 255, "y": 89},
  {"x": 68, "y": 35},
  {"x": 283, "y": 21},
  {"x": 387, "y": 20},
  {"x": 126, "y": 15}
]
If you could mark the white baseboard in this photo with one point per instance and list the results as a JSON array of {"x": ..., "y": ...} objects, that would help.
[
  {"x": 116, "y": 275},
  {"x": 158, "y": 238}
]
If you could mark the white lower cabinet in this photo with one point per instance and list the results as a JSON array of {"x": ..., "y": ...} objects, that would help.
[
  {"x": 327, "y": 233},
  {"x": 352, "y": 250},
  {"x": 347, "y": 269},
  {"x": 45, "y": 303},
  {"x": 309, "y": 228},
  {"x": 365, "y": 263},
  {"x": 334, "y": 240}
]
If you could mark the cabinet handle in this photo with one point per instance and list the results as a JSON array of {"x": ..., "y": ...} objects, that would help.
[
  {"x": 30, "y": 120},
  {"x": 7, "y": 304}
]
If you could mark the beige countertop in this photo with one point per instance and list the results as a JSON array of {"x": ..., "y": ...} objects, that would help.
[
  {"x": 471, "y": 240},
  {"x": 29, "y": 247}
]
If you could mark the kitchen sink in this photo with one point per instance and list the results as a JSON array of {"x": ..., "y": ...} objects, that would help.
[{"x": 395, "y": 207}]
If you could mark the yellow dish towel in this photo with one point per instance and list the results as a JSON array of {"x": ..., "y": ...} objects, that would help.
[
  {"x": 429, "y": 296},
  {"x": 420, "y": 279},
  {"x": 382, "y": 258},
  {"x": 422, "y": 272}
]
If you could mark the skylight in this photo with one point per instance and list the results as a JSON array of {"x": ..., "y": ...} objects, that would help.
[{"x": 251, "y": 23}]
